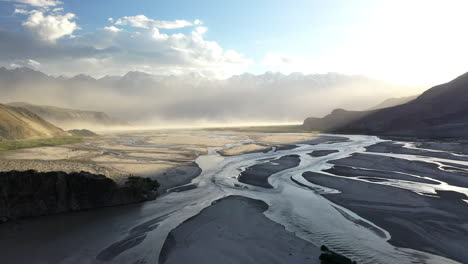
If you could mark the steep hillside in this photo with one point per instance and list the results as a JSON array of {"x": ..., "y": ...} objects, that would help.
[
  {"x": 71, "y": 118},
  {"x": 393, "y": 102},
  {"x": 441, "y": 111},
  {"x": 19, "y": 123}
]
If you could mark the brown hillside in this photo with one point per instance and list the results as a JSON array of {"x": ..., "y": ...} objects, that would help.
[{"x": 19, "y": 123}]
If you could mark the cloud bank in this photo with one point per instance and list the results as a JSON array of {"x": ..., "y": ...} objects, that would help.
[
  {"x": 127, "y": 43},
  {"x": 141, "y": 21},
  {"x": 50, "y": 27},
  {"x": 38, "y": 3}
]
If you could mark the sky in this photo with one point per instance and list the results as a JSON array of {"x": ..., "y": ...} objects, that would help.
[{"x": 417, "y": 42}]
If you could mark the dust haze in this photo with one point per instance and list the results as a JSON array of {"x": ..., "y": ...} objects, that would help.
[{"x": 194, "y": 100}]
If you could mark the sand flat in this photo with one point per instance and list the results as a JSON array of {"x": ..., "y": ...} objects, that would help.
[
  {"x": 430, "y": 224},
  {"x": 205, "y": 140},
  {"x": 235, "y": 230},
  {"x": 244, "y": 149},
  {"x": 167, "y": 156},
  {"x": 277, "y": 138}
]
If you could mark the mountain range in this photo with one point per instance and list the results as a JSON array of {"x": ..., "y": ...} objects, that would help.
[
  {"x": 441, "y": 111},
  {"x": 186, "y": 99}
]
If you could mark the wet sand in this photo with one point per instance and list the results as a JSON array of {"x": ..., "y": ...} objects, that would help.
[
  {"x": 347, "y": 171},
  {"x": 447, "y": 151},
  {"x": 321, "y": 153},
  {"x": 234, "y": 230},
  {"x": 413, "y": 167},
  {"x": 258, "y": 174},
  {"x": 227, "y": 231},
  {"x": 436, "y": 225}
]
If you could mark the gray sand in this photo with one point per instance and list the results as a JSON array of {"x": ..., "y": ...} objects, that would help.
[
  {"x": 370, "y": 173},
  {"x": 458, "y": 146},
  {"x": 321, "y": 153},
  {"x": 178, "y": 176},
  {"x": 326, "y": 140},
  {"x": 258, "y": 174},
  {"x": 419, "y": 168},
  {"x": 437, "y": 225},
  {"x": 392, "y": 147},
  {"x": 235, "y": 230}
]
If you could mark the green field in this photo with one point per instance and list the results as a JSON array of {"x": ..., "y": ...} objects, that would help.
[
  {"x": 34, "y": 143},
  {"x": 265, "y": 129}
]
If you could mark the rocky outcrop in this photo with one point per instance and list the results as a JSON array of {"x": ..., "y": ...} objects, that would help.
[{"x": 30, "y": 193}]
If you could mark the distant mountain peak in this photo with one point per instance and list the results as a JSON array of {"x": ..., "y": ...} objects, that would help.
[
  {"x": 136, "y": 75},
  {"x": 23, "y": 72},
  {"x": 82, "y": 77},
  {"x": 109, "y": 78}
]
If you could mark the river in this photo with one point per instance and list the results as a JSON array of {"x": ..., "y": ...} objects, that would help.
[{"x": 136, "y": 233}]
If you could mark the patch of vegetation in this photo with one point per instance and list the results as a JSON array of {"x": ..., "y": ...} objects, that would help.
[
  {"x": 34, "y": 143},
  {"x": 144, "y": 185},
  {"x": 330, "y": 257},
  {"x": 82, "y": 133},
  {"x": 265, "y": 129}
]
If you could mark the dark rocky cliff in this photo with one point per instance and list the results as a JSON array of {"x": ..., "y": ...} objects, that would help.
[{"x": 31, "y": 193}]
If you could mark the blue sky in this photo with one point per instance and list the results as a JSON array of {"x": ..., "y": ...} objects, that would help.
[
  {"x": 251, "y": 27},
  {"x": 411, "y": 42}
]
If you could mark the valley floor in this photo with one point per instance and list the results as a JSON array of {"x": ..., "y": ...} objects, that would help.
[{"x": 372, "y": 200}]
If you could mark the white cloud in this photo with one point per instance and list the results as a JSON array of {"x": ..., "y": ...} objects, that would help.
[
  {"x": 116, "y": 50},
  {"x": 41, "y": 3},
  {"x": 201, "y": 30},
  {"x": 25, "y": 63},
  {"x": 50, "y": 27},
  {"x": 149, "y": 50},
  {"x": 33, "y": 63},
  {"x": 58, "y": 9},
  {"x": 158, "y": 36},
  {"x": 141, "y": 21},
  {"x": 21, "y": 11},
  {"x": 112, "y": 29}
]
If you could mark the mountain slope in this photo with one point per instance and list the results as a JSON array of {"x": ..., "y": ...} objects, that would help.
[
  {"x": 19, "y": 123},
  {"x": 441, "y": 111},
  {"x": 393, "y": 102},
  {"x": 188, "y": 99},
  {"x": 71, "y": 118}
]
